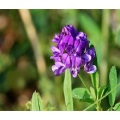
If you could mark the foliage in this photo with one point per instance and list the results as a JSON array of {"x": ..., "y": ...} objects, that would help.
[{"x": 36, "y": 102}]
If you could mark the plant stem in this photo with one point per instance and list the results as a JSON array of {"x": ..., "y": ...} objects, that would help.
[
  {"x": 83, "y": 81},
  {"x": 101, "y": 98},
  {"x": 98, "y": 107},
  {"x": 95, "y": 83},
  {"x": 67, "y": 88},
  {"x": 105, "y": 38},
  {"x": 84, "y": 84}
]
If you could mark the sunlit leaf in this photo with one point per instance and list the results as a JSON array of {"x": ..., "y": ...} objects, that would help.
[
  {"x": 112, "y": 84},
  {"x": 82, "y": 94},
  {"x": 117, "y": 107},
  {"x": 93, "y": 93},
  {"x": 37, "y": 104},
  {"x": 68, "y": 90}
]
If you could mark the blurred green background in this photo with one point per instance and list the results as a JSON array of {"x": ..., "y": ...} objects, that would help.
[{"x": 25, "y": 42}]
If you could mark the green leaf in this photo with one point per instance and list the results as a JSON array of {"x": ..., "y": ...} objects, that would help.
[
  {"x": 117, "y": 107},
  {"x": 93, "y": 93},
  {"x": 89, "y": 25},
  {"x": 89, "y": 100},
  {"x": 112, "y": 84},
  {"x": 68, "y": 90},
  {"x": 101, "y": 91},
  {"x": 36, "y": 101},
  {"x": 82, "y": 94}
]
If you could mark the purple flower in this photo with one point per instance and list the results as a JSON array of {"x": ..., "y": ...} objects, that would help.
[{"x": 72, "y": 52}]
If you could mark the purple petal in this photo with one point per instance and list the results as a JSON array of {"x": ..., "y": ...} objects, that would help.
[
  {"x": 74, "y": 73},
  {"x": 65, "y": 30},
  {"x": 76, "y": 43},
  {"x": 81, "y": 35},
  {"x": 66, "y": 38},
  {"x": 57, "y": 59},
  {"x": 70, "y": 30},
  {"x": 58, "y": 68},
  {"x": 86, "y": 57},
  {"x": 78, "y": 61},
  {"x": 59, "y": 71},
  {"x": 80, "y": 49},
  {"x": 56, "y": 38},
  {"x": 63, "y": 43},
  {"x": 55, "y": 49},
  {"x": 69, "y": 49},
  {"x": 66, "y": 59},
  {"x": 59, "y": 64},
  {"x": 71, "y": 41},
  {"x": 64, "y": 56},
  {"x": 52, "y": 57},
  {"x": 70, "y": 45},
  {"x": 54, "y": 67},
  {"x": 73, "y": 61},
  {"x": 91, "y": 52},
  {"x": 90, "y": 69},
  {"x": 62, "y": 47}
]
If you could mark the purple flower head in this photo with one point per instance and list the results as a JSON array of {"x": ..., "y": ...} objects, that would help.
[{"x": 72, "y": 52}]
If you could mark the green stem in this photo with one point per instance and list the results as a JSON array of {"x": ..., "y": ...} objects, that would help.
[
  {"x": 84, "y": 84},
  {"x": 98, "y": 107},
  {"x": 95, "y": 83},
  {"x": 67, "y": 88},
  {"x": 101, "y": 98},
  {"x": 83, "y": 81}
]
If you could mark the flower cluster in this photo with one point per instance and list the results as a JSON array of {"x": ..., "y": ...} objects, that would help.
[{"x": 72, "y": 52}]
